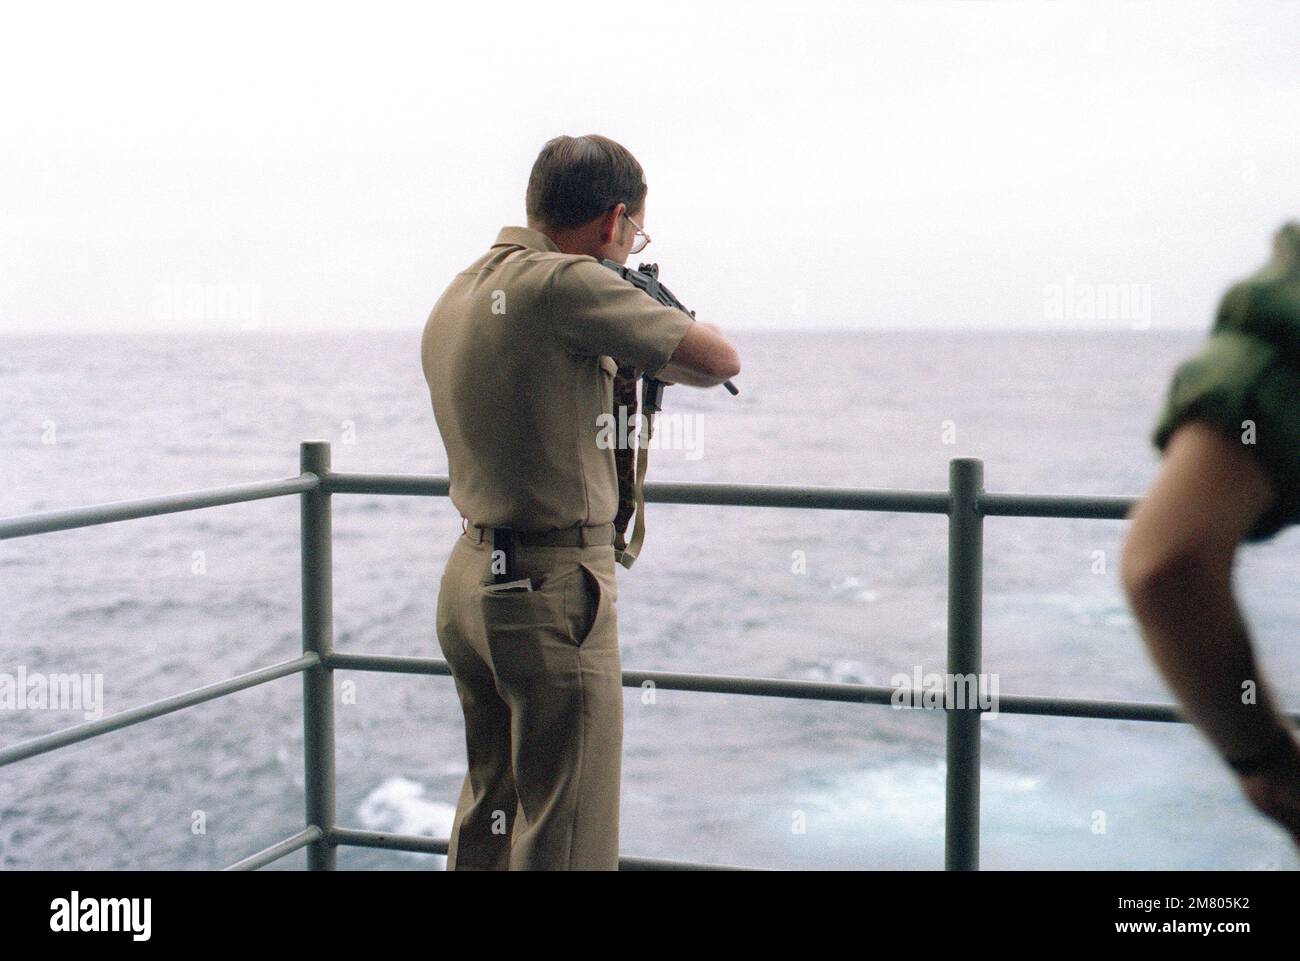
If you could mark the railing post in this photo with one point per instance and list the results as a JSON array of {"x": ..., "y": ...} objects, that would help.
[
  {"x": 318, "y": 638},
  {"x": 965, "y": 596}
]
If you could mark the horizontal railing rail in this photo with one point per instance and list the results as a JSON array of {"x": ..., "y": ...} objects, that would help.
[
  {"x": 114, "y": 511},
  {"x": 146, "y": 712},
  {"x": 965, "y": 503},
  {"x": 745, "y": 684}
]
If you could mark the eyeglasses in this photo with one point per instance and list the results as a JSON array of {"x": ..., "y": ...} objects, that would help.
[{"x": 642, "y": 238}]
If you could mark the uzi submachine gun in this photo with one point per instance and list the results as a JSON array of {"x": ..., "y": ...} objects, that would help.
[{"x": 631, "y": 475}]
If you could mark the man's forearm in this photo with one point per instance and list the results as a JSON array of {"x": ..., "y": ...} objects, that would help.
[
  {"x": 676, "y": 374},
  {"x": 673, "y": 373},
  {"x": 1203, "y": 650}
]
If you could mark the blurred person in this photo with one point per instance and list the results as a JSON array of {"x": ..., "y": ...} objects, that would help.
[{"x": 1230, "y": 437}]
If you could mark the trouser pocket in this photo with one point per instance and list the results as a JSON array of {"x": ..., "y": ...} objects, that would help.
[
  {"x": 570, "y": 609},
  {"x": 583, "y": 598},
  {"x": 525, "y": 629}
]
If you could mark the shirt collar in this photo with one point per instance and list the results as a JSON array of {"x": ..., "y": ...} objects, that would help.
[{"x": 525, "y": 237}]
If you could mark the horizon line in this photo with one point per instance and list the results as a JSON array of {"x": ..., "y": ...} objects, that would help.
[{"x": 233, "y": 330}]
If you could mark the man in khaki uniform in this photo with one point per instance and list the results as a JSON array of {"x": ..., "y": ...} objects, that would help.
[{"x": 519, "y": 354}]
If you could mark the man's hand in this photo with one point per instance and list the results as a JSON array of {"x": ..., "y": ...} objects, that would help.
[{"x": 1276, "y": 794}]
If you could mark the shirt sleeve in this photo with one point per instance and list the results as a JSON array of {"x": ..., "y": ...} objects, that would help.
[
  {"x": 1235, "y": 380},
  {"x": 595, "y": 311}
]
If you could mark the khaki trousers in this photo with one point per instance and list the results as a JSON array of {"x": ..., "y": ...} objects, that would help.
[{"x": 539, "y": 678}]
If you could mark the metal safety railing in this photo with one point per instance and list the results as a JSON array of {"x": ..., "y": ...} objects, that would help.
[{"x": 965, "y": 503}]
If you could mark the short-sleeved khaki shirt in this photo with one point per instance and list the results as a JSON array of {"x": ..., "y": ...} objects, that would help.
[{"x": 519, "y": 354}]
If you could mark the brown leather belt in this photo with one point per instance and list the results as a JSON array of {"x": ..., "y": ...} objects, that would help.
[{"x": 576, "y": 536}]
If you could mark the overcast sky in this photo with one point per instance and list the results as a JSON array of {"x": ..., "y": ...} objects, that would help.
[{"x": 810, "y": 164}]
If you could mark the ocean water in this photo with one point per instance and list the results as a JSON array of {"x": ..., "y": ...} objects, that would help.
[{"x": 165, "y": 604}]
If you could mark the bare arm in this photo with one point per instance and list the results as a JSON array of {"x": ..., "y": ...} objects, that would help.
[
  {"x": 704, "y": 358},
  {"x": 673, "y": 373},
  {"x": 1177, "y": 573}
]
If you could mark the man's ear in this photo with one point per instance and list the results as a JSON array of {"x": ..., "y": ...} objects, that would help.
[{"x": 609, "y": 226}]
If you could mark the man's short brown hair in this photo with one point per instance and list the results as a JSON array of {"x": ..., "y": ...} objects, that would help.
[{"x": 575, "y": 179}]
